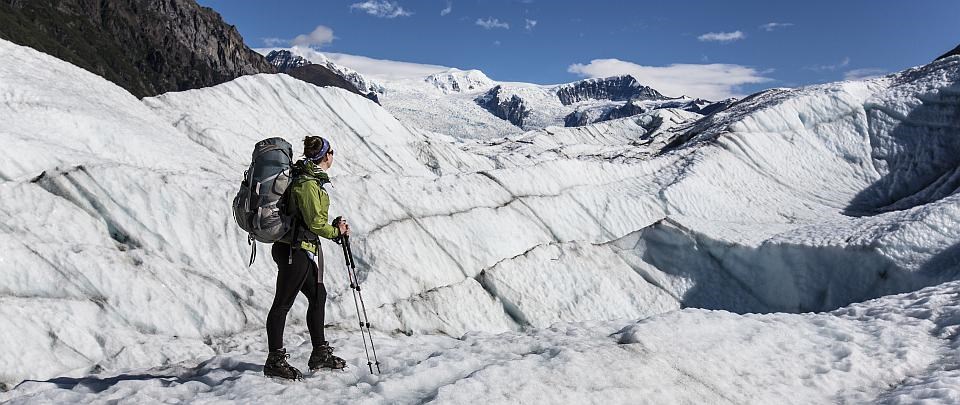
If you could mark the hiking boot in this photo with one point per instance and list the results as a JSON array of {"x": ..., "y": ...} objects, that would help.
[
  {"x": 277, "y": 366},
  {"x": 322, "y": 357}
]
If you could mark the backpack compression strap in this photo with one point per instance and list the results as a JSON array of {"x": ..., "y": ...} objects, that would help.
[{"x": 253, "y": 249}]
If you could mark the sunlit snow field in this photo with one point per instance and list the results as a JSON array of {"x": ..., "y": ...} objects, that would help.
[{"x": 799, "y": 247}]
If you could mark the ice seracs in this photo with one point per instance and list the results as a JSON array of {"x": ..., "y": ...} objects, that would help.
[{"x": 460, "y": 81}]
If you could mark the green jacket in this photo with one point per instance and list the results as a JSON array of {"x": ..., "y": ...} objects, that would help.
[{"x": 313, "y": 201}]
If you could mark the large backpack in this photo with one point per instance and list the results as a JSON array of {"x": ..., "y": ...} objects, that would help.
[{"x": 259, "y": 205}]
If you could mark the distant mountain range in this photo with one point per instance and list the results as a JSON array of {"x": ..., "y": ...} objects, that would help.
[
  {"x": 153, "y": 47},
  {"x": 593, "y": 100}
]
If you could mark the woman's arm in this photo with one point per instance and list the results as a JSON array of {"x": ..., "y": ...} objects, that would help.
[{"x": 313, "y": 202}]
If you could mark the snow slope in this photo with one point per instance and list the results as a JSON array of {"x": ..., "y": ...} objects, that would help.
[
  {"x": 123, "y": 253},
  {"x": 898, "y": 349}
]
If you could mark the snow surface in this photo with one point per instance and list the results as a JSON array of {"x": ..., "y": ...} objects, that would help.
[
  {"x": 549, "y": 266},
  {"x": 862, "y": 353}
]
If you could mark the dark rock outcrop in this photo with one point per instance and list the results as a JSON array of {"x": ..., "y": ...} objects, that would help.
[
  {"x": 714, "y": 108},
  {"x": 145, "y": 46},
  {"x": 583, "y": 117},
  {"x": 616, "y": 88},
  {"x": 319, "y": 75},
  {"x": 580, "y": 118},
  {"x": 510, "y": 108},
  {"x": 626, "y": 110},
  {"x": 955, "y": 51},
  {"x": 285, "y": 60},
  {"x": 588, "y": 116}
]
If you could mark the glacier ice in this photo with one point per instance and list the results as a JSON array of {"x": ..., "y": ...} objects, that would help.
[{"x": 120, "y": 251}]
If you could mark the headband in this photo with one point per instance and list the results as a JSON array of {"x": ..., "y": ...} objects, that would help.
[{"x": 323, "y": 151}]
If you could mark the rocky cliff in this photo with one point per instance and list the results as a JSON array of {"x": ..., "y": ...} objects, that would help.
[
  {"x": 616, "y": 88},
  {"x": 510, "y": 108},
  {"x": 146, "y": 46},
  {"x": 716, "y": 107}
]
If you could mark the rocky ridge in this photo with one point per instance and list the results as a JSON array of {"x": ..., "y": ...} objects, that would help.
[{"x": 147, "y": 47}]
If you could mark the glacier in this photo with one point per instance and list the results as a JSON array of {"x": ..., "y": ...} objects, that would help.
[{"x": 797, "y": 247}]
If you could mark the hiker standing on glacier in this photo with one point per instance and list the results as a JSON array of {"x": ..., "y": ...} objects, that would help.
[{"x": 300, "y": 262}]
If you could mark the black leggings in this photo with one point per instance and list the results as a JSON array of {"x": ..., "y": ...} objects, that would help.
[{"x": 301, "y": 276}]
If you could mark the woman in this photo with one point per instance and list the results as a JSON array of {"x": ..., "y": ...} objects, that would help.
[{"x": 300, "y": 262}]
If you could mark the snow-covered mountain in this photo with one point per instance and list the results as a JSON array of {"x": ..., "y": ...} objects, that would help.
[
  {"x": 545, "y": 266},
  {"x": 285, "y": 60},
  {"x": 473, "y": 105},
  {"x": 529, "y": 106},
  {"x": 616, "y": 88},
  {"x": 459, "y": 81}
]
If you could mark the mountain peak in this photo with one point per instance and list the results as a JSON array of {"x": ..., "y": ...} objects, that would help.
[
  {"x": 285, "y": 60},
  {"x": 614, "y": 88},
  {"x": 460, "y": 81}
]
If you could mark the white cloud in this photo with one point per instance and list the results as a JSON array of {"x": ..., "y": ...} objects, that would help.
[
  {"x": 496, "y": 43},
  {"x": 722, "y": 36},
  {"x": 774, "y": 25},
  {"x": 711, "y": 81},
  {"x": 530, "y": 24},
  {"x": 863, "y": 74},
  {"x": 381, "y": 8},
  {"x": 829, "y": 68},
  {"x": 447, "y": 10},
  {"x": 320, "y": 36},
  {"x": 491, "y": 23},
  {"x": 273, "y": 41}
]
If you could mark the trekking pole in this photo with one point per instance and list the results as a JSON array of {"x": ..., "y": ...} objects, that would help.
[
  {"x": 355, "y": 288},
  {"x": 353, "y": 271}
]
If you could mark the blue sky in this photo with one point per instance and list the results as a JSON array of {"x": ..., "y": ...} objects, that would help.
[{"x": 700, "y": 48}]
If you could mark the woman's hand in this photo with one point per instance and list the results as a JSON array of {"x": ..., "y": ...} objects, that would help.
[{"x": 344, "y": 227}]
